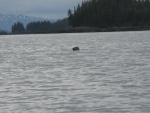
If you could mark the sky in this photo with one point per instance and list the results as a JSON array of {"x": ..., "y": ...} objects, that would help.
[{"x": 49, "y": 9}]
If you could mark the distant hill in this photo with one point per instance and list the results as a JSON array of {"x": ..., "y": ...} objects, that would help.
[{"x": 7, "y": 20}]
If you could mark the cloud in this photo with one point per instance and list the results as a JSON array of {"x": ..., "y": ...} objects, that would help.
[{"x": 41, "y": 8}]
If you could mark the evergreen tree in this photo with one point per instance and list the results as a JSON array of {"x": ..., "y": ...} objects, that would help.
[
  {"x": 46, "y": 26},
  {"x": 18, "y": 28},
  {"x": 109, "y": 13}
]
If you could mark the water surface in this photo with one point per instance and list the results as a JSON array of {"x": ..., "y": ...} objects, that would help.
[{"x": 41, "y": 73}]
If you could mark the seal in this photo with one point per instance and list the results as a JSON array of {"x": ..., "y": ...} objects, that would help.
[{"x": 75, "y": 49}]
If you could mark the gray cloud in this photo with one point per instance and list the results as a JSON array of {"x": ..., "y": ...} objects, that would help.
[{"x": 39, "y": 8}]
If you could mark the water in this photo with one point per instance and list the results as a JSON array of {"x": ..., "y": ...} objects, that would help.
[{"x": 41, "y": 73}]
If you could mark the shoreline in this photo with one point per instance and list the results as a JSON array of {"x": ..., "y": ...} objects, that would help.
[
  {"x": 87, "y": 29},
  {"x": 110, "y": 29}
]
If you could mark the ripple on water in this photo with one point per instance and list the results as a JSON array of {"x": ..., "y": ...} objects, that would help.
[{"x": 41, "y": 73}]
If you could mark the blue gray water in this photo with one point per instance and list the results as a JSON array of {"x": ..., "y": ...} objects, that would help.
[{"x": 41, "y": 73}]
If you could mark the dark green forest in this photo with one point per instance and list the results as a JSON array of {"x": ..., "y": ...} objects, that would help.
[
  {"x": 110, "y": 13},
  {"x": 46, "y": 26},
  {"x": 18, "y": 28},
  {"x": 40, "y": 27},
  {"x": 106, "y": 14}
]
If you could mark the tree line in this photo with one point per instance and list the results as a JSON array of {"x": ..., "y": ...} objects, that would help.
[
  {"x": 2, "y": 32},
  {"x": 110, "y": 13},
  {"x": 95, "y": 13},
  {"x": 40, "y": 26}
]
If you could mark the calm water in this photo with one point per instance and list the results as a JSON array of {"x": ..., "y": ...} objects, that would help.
[{"x": 41, "y": 73}]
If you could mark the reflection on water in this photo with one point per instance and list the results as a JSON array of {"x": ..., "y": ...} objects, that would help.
[{"x": 41, "y": 73}]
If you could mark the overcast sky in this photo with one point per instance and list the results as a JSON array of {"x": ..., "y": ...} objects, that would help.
[{"x": 51, "y": 9}]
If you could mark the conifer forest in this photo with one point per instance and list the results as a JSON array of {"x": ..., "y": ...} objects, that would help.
[{"x": 110, "y": 13}]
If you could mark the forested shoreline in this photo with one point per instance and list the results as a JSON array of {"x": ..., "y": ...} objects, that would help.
[
  {"x": 110, "y": 13},
  {"x": 40, "y": 27},
  {"x": 95, "y": 16}
]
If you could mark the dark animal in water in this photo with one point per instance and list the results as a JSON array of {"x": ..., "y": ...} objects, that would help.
[{"x": 75, "y": 48}]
